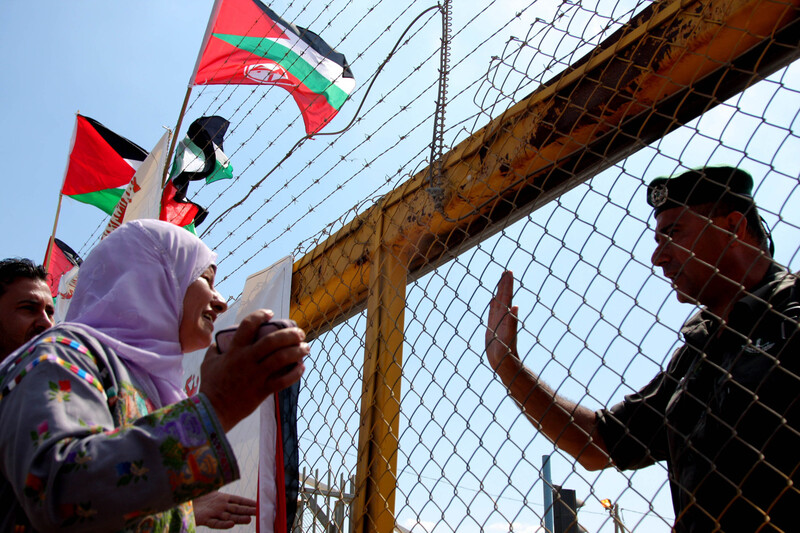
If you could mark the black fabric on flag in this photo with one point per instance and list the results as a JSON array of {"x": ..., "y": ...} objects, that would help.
[
  {"x": 287, "y": 403},
  {"x": 205, "y": 132},
  {"x": 121, "y": 145},
  {"x": 71, "y": 254}
]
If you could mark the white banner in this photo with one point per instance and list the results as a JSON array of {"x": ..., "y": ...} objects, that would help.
[
  {"x": 142, "y": 198},
  {"x": 66, "y": 287},
  {"x": 254, "y": 438}
]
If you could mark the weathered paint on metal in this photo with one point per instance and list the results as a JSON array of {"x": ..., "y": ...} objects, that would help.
[{"x": 667, "y": 66}]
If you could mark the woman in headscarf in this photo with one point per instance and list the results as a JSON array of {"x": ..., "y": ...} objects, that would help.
[{"x": 96, "y": 432}]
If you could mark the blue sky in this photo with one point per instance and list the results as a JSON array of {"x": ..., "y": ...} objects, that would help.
[{"x": 124, "y": 64}]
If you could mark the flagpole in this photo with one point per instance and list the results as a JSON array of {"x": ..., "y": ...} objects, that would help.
[
  {"x": 61, "y": 193},
  {"x": 206, "y": 37},
  {"x": 175, "y": 136},
  {"x": 53, "y": 236}
]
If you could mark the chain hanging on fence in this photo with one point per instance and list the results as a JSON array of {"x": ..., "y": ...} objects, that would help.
[{"x": 435, "y": 187}]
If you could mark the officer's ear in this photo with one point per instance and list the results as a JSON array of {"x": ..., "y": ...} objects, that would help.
[{"x": 736, "y": 224}]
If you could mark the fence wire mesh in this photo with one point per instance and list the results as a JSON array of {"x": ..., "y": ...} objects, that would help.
[{"x": 558, "y": 116}]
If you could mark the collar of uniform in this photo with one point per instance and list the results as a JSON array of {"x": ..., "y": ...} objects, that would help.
[
  {"x": 699, "y": 328},
  {"x": 756, "y": 301},
  {"x": 704, "y": 324}
]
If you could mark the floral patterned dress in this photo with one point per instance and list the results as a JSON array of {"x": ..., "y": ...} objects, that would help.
[{"x": 83, "y": 447}]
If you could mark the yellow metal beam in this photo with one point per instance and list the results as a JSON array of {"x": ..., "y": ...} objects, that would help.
[
  {"x": 667, "y": 66},
  {"x": 376, "y": 474}
]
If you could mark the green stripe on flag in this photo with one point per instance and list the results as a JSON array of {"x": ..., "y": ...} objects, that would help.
[
  {"x": 190, "y": 158},
  {"x": 292, "y": 62},
  {"x": 106, "y": 199},
  {"x": 222, "y": 171}
]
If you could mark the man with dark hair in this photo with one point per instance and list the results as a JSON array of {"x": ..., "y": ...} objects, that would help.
[
  {"x": 26, "y": 306},
  {"x": 724, "y": 414}
]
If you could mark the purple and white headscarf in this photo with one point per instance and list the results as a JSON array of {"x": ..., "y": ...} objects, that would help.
[{"x": 130, "y": 297}]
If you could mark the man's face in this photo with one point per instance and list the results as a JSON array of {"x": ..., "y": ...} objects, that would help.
[
  {"x": 26, "y": 309},
  {"x": 690, "y": 250}
]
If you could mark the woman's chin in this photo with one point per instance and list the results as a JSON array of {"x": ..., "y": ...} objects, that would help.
[{"x": 201, "y": 342}]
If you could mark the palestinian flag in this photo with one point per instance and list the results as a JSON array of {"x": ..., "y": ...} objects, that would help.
[
  {"x": 199, "y": 156},
  {"x": 176, "y": 209},
  {"x": 101, "y": 164},
  {"x": 248, "y": 43},
  {"x": 60, "y": 259}
]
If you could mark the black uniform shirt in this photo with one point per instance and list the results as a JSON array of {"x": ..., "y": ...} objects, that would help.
[{"x": 725, "y": 415}]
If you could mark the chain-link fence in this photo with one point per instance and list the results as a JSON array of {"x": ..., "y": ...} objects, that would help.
[
  {"x": 399, "y": 395},
  {"x": 553, "y": 136}
]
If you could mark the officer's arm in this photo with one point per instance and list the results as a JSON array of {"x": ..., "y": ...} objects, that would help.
[{"x": 571, "y": 427}]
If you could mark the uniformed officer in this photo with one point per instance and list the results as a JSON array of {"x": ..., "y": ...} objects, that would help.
[{"x": 724, "y": 413}]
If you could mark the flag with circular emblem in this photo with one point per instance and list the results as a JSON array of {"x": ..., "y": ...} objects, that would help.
[{"x": 248, "y": 43}]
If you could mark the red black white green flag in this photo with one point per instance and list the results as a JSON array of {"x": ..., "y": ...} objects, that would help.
[
  {"x": 101, "y": 164},
  {"x": 61, "y": 258},
  {"x": 248, "y": 43},
  {"x": 198, "y": 157},
  {"x": 176, "y": 209}
]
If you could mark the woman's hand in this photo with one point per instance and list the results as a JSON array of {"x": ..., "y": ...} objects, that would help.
[
  {"x": 219, "y": 510},
  {"x": 238, "y": 381}
]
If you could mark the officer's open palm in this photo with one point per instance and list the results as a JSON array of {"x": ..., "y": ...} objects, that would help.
[{"x": 501, "y": 330}]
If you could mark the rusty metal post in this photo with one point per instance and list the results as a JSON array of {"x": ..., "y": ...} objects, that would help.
[{"x": 376, "y": 474}]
